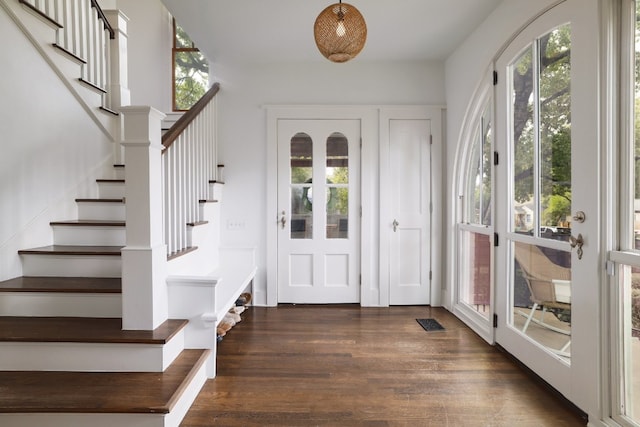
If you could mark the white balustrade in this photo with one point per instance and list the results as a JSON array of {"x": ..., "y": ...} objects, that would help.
[
  {"x": 189, "y": 163},
  {"x": 84, "y": 33}
]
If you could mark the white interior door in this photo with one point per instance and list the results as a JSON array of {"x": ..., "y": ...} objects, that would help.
[
  {"x": 319, "y": 218},
  {"x": 547, "y": 125},
  {"x": 410, "y": 212}
]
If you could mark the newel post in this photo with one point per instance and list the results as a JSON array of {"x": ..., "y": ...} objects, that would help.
[{"x": 144, "y": 258}]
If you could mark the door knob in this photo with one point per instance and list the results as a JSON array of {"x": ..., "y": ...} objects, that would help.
[
  {"x": 395, "y": 225},
  {"x": 579, "y": 216},
  {"x": 283, "y": 220},
  {"x": 577, "y": 242}
]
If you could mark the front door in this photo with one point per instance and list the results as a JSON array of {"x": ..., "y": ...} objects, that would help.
[
  {"x": 547, "y": 215},
  {"x": 318, "y": 209}
]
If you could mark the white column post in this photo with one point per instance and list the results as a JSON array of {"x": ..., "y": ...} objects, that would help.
[
  {"x": 118, "y": 84},
  {"x": 144, "y": 259}
]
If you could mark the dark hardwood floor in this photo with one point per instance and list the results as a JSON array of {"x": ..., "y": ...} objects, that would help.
[{"x": 352, "y": 366}]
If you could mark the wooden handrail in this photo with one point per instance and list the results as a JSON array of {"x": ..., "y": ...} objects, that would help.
[
  {"x": 182, "y": 123},
  {"x": 94, "y": 3}
]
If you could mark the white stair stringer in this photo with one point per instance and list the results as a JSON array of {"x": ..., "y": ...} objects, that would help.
[
  {"x": 71, "y": 265},
  {"x": 89, "y": 357},
  {"x": 61, "y": 304}
]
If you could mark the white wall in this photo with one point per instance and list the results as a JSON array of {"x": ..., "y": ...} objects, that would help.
[
  {"x": 465, "y": 70},
  {"x": 150, "y": 38},
  {"x": 51, "y": 150},
  {"x": 242, "y": 123}
]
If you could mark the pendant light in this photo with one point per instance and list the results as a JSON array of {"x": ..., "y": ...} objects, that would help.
[{"x": 340, "y": 32}]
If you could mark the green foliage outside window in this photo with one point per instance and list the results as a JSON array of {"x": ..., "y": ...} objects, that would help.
[{"x": 190, "y": 71}]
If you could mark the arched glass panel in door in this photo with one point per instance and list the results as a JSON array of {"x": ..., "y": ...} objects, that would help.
[
  {"x": 337, "y": 180},
  {"x": 301, "y": 187}
]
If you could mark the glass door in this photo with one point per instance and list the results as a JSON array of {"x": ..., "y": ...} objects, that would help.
[{"x": 547, "y": 214}]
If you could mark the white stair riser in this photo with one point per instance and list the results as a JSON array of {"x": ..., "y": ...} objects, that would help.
[
  {"x": 118, "y": 173},
  {"x": 101, "y": 211},
  {"x": 89, "y": 236},
  {"x": 89, "y": 357},
  {"x": 71, "y": 265},
  {"x": 215, "y": 189},
  {"x": 60, "y": 304},
  {"x": 111, "y": 190}
]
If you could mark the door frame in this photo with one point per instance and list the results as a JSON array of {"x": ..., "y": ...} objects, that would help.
[
  {"x": 435, "y": 115},
  {"x": 368, "y": 117}
]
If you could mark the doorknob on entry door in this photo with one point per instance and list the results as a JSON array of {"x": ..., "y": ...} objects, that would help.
[
  {"x": 577, "y": 242},
  {"x": 283, "y": 220},
  {"x": 395, "y": 225}
]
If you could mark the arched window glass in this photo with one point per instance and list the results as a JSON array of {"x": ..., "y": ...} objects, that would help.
[{"x": 337, "y": 176}]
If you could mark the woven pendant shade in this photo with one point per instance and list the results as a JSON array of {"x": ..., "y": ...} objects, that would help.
[{"x": 340, "y": 32}]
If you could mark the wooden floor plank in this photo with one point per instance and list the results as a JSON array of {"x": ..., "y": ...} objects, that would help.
[
  {"x": 352, "y": 366},
  {"x": 97, "y": 392},
  {"x": 85, "y": 330}
]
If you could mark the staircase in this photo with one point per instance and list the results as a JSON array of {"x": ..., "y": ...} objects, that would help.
[
  {"x": 64, "y": 358},
  {"x": 72, "y": 352}
]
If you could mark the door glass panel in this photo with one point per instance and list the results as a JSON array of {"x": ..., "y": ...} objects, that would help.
[
  {"x": 542, "y": 296},
  {"x": 301, "y": 191},
  {"x": 541, "y": 276},
  {"x": 475, "y": 280},
  {"x": 555, "y": 134},
  {"x": 522, "y": 95},
  {"x": 478, "y": 190},
  {"x": 337, "y": 179}
]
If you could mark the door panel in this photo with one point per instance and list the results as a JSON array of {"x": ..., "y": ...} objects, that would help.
[
  {"x": 318, "y": 199},
  {"x": 410, "y": 180}
]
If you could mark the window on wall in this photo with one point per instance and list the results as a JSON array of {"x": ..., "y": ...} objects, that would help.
[
  {"x": 190, "y": 71},
  {"x": 475, "y": 231}
]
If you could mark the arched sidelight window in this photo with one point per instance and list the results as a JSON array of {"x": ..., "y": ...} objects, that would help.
[{"x": 475, "y": 231}]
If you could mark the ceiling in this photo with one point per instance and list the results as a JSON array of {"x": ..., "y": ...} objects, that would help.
[{"x": 254, "y": 31}]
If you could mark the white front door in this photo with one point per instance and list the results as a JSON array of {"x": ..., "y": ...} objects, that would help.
[
  {"x": 410, "y": 211},
  {"x": 547, "y": 137},
  {"x": 318, "y": 210}
]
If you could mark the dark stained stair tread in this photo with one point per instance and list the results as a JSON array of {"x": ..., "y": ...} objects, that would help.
[
  {"x": 72, "y": 250},
  {"x": 90, "y": 223},
  {"x": 82, "y": 330},
  {"x": 100, "y": 200},
  {"x": 62, "y": 284},
  {"x": 99, "y": 392}
]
